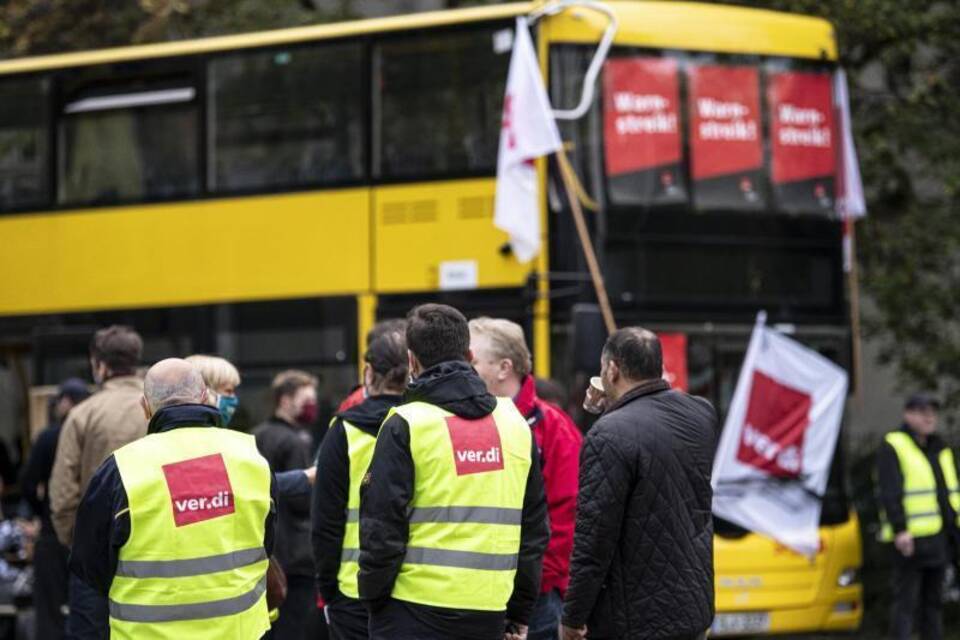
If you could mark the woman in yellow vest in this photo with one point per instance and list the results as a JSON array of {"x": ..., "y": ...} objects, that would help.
[
  {"x": 919, "y": 501},
  {"x": 343, "y": 460},
  {"x": 453, "y": 520},
  {"x": 176, "y": 528}
]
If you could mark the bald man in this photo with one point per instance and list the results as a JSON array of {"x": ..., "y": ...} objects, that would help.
[{"x": 175, "y": 529}]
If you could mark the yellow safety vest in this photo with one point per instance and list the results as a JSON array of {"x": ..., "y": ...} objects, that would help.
[
  {"x": 194, "y": 565},
  {"x": 360, "y": 445},
  {"x": 470, "y": 478},
  {"x": 920, "y": 504}
]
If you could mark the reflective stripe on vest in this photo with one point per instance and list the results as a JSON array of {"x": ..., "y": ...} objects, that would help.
[
  {"x": 920, "y": 506},
  {"x": 470, "y": 478},
  {"x": 360, "y": 445},
  {"x": 949, "y": 466},
  {"x": 194, "y": 565}
]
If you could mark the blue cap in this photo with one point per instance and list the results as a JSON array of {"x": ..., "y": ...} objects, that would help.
[{"x": 75, "y": 389}]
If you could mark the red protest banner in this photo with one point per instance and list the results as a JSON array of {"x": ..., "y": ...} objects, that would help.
[
  {"x": 674, "y": 348},
  {"x": 725, "y": 137},
  {"x": 724, "y": 121},
  {"x": 641, "y": 120},
  {"x": 803, "y": 140}
]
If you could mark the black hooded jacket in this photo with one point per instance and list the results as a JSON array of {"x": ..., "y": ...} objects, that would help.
[
  {"x": 332, "y": 490},
  {"x": 385, "y": 498}
]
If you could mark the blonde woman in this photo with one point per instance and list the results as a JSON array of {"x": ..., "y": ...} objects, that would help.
[{"x": 222, "y": 380}]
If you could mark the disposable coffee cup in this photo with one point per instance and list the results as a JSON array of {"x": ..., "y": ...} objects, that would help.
[{"x": 594, "y": 399}]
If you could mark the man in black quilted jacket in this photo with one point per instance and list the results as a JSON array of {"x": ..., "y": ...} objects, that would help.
[{"x": 642, "y": 565}]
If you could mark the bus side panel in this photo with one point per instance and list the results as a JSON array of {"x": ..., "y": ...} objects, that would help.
[
  {"x": 294, "y": 245},
  {"x": 424, "y": 230}
]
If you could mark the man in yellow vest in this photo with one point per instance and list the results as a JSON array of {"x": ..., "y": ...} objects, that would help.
[
  {"x": 341, "y": 464},
  {"x": 453, "y": 520},
  {"x": 919, "y": 500},
  {"x": 175, "y": 528}
]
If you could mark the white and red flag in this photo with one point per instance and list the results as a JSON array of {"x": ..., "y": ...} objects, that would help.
[
  {"x": 527, "y": 132},
  {"x": 851, "y": 205},
  {"x": 772, "y": 465}
]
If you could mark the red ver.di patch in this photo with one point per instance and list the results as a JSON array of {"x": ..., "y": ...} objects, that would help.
[
  {"x": 199, "y": 489},
  {"x": 476, "y": 445},
  {"x": 772, "y": 435}
]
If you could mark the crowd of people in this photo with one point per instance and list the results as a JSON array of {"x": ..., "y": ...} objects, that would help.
[{"x": 446, "y": 499}]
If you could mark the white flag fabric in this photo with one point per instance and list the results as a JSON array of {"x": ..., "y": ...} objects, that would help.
[
  {"x": 774, "y": 457},
  {"x": 527, "y": 132},
  {"x": 850, "y": 201}
]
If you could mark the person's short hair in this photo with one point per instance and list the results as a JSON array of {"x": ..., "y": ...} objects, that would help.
[
  {"x": 506, "y": 342},
  {"x": 119, "y": 347},
  {"x": 437, "y": 333},
  {"x": 636, "y": 351},
  {"x": 390, "y": 325},
  {"x": 166, "y": 391},
  {"x": 387, "y": 356},
  {"x": 287, "y": 383},
  {"x": 217, "y": 372}
]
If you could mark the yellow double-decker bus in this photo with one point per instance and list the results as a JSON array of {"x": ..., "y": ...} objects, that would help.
[{"x": 269, "y": 196}]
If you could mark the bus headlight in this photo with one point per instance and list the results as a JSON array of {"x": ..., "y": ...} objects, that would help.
[{"x": 848, "y": 577}]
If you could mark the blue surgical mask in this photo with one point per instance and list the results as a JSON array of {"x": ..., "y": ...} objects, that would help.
[{"x": 227, "y": 405}]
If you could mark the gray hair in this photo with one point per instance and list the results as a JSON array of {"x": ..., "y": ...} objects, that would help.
[{"x": 171, "y": 382}]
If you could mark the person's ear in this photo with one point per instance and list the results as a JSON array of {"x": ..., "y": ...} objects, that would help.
[
  {"x": 413, "y": 365},
  {"x": 146, "y": 407},
  {"x": 204, "y": 396},
  {"x": 504, "y": 367},
  {"x": 470, "y": 355},
  {"x": 367, "y": 375},
  {"x": 613, "y": 371}
]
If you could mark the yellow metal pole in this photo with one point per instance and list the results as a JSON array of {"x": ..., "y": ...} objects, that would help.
[
  {"x": 541, "y": 305},
  {"x": 366, "y": 318}
]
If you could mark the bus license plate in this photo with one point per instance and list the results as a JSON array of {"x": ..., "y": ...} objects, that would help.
[{"x": 737, "y": 623}]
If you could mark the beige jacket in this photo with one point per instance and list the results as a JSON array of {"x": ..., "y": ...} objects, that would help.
[{"x": 94, "y": 429}]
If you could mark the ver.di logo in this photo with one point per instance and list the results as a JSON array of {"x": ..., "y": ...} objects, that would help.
[
  {"x": 774, "y": 428},
  {"x": 476, "y": 445},
  {"x": 199, "y": 489}
]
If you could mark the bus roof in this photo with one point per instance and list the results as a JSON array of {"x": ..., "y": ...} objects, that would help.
[{"x": 668, "y": 25}]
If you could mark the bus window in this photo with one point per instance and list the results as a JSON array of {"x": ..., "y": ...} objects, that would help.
[
  {"x": 286, "y": 118},
  {"x": 440, "y": 103},
  {"x": 24, "y": 151},
  {"x": 129, "y": 142}
]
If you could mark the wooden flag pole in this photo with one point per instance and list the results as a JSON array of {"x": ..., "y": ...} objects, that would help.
[
  {"x": 853, "y": 275},
  {"x": 566, "y": 171}
]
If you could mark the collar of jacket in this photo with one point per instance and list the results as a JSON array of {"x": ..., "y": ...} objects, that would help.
[
  {"x": 453, "y": 386},
  {"x": 123, "y": 382},
  {"x": 934, "y": 443},
  {"x": 369, "y": 414},
  {"x": 643, "y": 389},
  {"x": 526, "y": 398},
  {"x": 184, "y": 415}
]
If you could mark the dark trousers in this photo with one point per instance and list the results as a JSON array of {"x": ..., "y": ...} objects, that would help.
[
  {"x": 347, "y": 619},
  {"x": 545, "y": 619},
  {"x": 89, "y": 618},
  {"x": 917, "y": 594},
  {"x": 299, "y": 618},
  {"x": 49, "y": 586}
]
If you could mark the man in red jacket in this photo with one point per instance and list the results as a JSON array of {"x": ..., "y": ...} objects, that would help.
[{"x": 501, "y": 357}]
